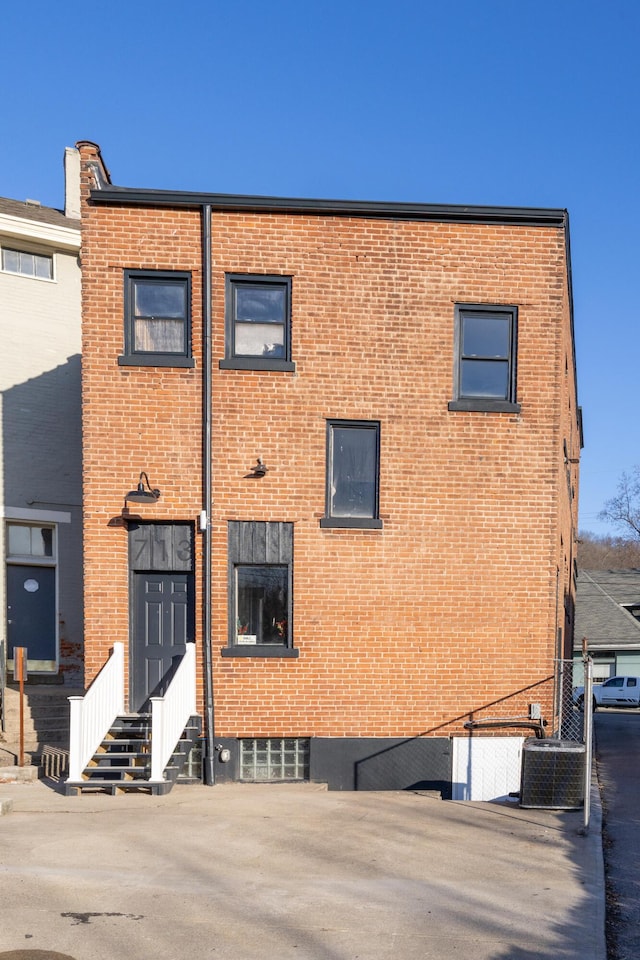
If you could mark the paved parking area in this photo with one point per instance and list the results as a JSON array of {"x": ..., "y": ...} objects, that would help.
[{"x": 293, "y": 871}]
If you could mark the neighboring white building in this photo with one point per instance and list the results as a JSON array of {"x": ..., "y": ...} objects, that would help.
[{"x": 40, "y": 432}]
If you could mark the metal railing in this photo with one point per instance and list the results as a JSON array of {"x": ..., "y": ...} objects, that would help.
[
  {"x": 91, "y": 716},
  {"x": 170, "y": 714}
]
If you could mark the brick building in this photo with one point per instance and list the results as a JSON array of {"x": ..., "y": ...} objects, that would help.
[{"x": 362, "y": 420}]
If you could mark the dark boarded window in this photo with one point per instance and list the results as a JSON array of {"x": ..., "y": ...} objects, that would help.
[{"x": 260, "y": 588}]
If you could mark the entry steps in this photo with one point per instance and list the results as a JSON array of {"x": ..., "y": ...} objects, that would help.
[
  {"x": 46, "y": 726},
  {"x": 123, "y": 760}
]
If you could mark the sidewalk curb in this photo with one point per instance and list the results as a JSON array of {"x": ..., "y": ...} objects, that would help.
[{"x": 18, "y": 774}]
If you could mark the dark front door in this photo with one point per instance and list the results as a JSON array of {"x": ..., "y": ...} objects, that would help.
[
  {"x": 31, "y": 614},
  {"x": 163, "y": 625},
  {"x": 163, "y": 608}
]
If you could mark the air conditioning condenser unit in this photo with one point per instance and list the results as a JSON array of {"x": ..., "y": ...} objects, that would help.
[{"x": 552, "y": 774}]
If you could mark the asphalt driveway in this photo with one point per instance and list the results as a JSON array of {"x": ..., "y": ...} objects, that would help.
[{"x": 243, "y": 872}]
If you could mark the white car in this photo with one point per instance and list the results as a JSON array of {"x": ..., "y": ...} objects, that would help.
[{"x": 614, "y": 692}]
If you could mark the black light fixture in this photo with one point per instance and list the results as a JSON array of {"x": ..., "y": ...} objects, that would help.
[
  {"x": 259, "y": 470},
  {"x": 145, "y": 493}
]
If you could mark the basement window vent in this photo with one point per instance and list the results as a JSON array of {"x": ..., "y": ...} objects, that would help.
[{"x": 262, "y": 760}]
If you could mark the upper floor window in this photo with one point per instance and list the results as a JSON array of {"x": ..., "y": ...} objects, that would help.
[
  {"x": 37, "y": 265},
  {"x": 258, "y": 322},
  {"x": 157, "y": 322},
  {"x": 485, "y": 372},
  {"x": 353, "y": 470}
]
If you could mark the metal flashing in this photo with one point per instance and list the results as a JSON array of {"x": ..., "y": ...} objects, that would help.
[{"x": 381, "y": 210}]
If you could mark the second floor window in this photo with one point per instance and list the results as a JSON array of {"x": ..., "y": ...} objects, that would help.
[
  {"x": 485, "y": 375},
  {"x": 258, "y": 322},
  {"x": 37, "y": 265},
  {"x": 157, "y": 318}
]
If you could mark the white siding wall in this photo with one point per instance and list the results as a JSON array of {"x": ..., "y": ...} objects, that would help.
[{"x": 40, "y": 417}]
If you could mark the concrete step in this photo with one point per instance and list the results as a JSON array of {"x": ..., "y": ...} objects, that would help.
[{"x": 46, "y": 715}]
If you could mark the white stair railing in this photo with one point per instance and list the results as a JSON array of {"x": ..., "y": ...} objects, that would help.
[
  {"x": 170, "y": 714},
  {"x": 91, "y": 716}
]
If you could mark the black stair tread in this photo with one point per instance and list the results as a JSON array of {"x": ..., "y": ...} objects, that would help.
[
  {"x": 133, "y": 716},
  {"x": 132, "y": 742},
  {"x": 126, "y": 765},
  {"x": 108, "y": 775},
  {"x": 140, "y": 732}
]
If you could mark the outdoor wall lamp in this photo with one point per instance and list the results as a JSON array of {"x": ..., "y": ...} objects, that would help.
[
  {"x": 259, "y": 470},
  {"x": 144, "y": 492}
]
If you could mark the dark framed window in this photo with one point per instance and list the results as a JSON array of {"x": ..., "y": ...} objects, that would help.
[
  {"x": 157, "y": 322},
  {"x": 38, "y": 265},
  {"x": 260, "y": 589},
  {"x": 352, "y": 475},
  {"x": 485, "y": 372},
  {"x": 258, "y": 322}
]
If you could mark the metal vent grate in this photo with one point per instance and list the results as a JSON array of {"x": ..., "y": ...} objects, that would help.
[{"x": 274, "y": 759}]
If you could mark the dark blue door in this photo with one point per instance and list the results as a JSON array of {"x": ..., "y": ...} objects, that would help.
[{"x": 31, "y": 614}]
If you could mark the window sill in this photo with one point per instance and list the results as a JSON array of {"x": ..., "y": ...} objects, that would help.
[
  {"x": 485, "y": 406},
  {"x": 28, "y": 276},
  {"x": 257, "y": 363},
  {"x": 260, "y": 650},
  {"x": 155, "y": 360},
  {"x": 351, "y": 523}
]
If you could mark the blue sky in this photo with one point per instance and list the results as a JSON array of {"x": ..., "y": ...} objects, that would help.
[{"x": 515, "y": 102}]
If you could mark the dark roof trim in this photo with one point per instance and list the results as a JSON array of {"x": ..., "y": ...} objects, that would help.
[{"x": 440, "y": 213}]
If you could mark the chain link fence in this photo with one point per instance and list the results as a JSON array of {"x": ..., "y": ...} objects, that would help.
[
  {"x": 549, "y": 766},
  {"x": 563, "y": 780},
  {"x": 569, "y": 716}
]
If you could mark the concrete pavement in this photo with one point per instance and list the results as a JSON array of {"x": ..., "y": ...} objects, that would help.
[{"x": 243, "y": 872}]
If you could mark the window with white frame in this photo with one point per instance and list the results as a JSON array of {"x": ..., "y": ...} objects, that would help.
[
  {"x": 33, "y": 542},
  {"x": 26, "y": 264}
]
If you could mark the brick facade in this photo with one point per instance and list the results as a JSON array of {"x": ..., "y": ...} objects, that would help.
[{"x": 451, "y": 611}]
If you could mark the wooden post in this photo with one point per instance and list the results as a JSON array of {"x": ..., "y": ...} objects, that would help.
[{"x": 20, "y": 673}]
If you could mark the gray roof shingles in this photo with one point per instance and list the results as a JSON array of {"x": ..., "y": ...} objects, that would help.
[
  {"x": 600, "y": 614},
  {"x": 32, "y": 211}
]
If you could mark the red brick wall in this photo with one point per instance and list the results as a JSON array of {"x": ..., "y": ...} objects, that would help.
[{"x": 451, "y": 608}]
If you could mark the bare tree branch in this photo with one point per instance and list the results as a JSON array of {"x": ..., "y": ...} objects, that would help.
[{"x": 623, "y": 510}]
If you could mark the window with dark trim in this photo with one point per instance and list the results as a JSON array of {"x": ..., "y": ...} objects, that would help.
[
  {"x": 157, "y": 320},
  {"x": 260, "y": 560},
  {"x": 485, "y": 371},
  {"x": 37, "y": 265},
  {"x": 258, "y": 322},
  {"x": 352, "y": 475}
]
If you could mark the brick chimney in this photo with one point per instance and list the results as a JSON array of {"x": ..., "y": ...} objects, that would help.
[
  {"x": 72, "y": 183},
  {"x": 93, "y": 172}
]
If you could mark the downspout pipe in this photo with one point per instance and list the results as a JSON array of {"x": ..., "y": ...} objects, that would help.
[{"x": 208, "y": 765}]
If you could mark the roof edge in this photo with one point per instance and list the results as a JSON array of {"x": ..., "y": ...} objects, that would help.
[{"x": 442, "y": 213}]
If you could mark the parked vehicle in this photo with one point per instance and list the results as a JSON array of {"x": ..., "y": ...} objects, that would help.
[{"x": 614, "y": 692}]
